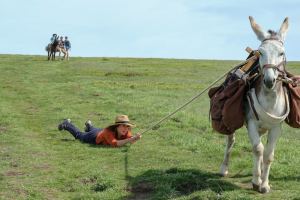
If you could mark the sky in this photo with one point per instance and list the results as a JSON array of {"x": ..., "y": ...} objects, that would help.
[{"x": 187, "y": 29}]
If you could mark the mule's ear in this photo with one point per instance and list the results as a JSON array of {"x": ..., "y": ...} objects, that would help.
[
  {"x": 260, "y": 33},
  {"x": 284, "y": 28}
]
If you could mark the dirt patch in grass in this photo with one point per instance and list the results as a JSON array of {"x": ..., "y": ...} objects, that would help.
[
  {"x": 142, "y": 190},
  {"x": 2, "y": 129},
  {"x": 95, "y": 184},
  {"x": 43, "y": 167},
  {"x": 22, "y": 193},
  {"x": 14, "y": 173},
  {"x": 49, "y": 193},
  {"x": 87, "y": 181},
  {"x": 126, "y": 74}
]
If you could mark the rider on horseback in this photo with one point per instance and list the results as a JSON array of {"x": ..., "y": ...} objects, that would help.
[{"x": 52, "y": 39}]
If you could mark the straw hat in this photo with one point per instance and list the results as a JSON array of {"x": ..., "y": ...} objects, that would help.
[{"x": 122, "y": 119}]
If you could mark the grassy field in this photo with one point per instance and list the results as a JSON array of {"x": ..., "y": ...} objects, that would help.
[{"x": 178, "y": 160}]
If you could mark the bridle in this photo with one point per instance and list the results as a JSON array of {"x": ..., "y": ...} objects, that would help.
[
  {"x": 277, "y": 67},
  {"x": 258, "y": 111},
  {"x": 282, "y": 73}
]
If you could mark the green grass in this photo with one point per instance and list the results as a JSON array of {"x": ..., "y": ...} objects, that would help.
[{"x": 180, "y": 160}]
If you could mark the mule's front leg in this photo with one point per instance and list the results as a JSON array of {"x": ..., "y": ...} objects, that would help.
[
  {"x": 258, "y": 149},
  {"x": 269, "y": 157},
  {"x": 229, "y": 146}
]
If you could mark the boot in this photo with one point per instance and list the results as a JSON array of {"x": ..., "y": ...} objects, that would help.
[
  {"x": 88, "y": 125},
  {"x": 62, "y": 126}
]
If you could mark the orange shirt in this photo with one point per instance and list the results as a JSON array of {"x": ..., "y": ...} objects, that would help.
[{"x": 107, "y": 137}]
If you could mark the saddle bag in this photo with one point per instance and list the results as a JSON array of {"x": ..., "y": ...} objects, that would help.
[
  {"x": 227, "y": 100},
  {"x": 226, "y": 105},
  {"x": 293, "y": 119}
]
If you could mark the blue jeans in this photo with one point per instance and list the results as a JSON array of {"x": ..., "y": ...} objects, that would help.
[{"x": 86, "y": 137}]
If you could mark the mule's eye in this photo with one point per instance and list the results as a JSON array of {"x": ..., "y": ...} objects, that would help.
[{"x": 281, "y": 54}]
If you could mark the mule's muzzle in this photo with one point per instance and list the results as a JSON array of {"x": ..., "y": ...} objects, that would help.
[
  {"x": 269, "y": 79},
  {"x": 269, "y": 82}
]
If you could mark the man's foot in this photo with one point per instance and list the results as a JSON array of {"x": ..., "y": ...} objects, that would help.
[
  {"x": 88, "y": 125},
  {"x": 62, "y": 125}
]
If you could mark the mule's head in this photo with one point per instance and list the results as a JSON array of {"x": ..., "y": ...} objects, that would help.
[{"x": 272, "y": 53}]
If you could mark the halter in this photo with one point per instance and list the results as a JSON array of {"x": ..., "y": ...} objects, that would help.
[
  {"x": 282, "y": 63},
  {"x": 277, "y": 67}
]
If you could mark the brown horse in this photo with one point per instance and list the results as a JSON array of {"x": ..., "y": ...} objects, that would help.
[{"x": 52, "y": 49}]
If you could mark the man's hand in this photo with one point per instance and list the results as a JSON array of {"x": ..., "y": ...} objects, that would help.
[{"x": 136, "y": 137}]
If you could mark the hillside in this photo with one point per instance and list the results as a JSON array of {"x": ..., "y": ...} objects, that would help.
[{"x": 178, "y": 160}]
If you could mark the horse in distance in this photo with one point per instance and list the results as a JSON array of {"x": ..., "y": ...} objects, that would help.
[{"x": 52, "y": 49}]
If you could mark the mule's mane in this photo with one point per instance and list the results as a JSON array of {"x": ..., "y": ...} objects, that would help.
[{"x": 273, "y": 35}]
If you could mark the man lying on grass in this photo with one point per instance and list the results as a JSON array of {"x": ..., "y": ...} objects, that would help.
[{"x": 116, "y": 135}]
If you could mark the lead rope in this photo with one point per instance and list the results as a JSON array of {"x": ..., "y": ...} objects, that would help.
[
  {"x": 188, "y": 102},
  {"x": 239, "y": 69}
]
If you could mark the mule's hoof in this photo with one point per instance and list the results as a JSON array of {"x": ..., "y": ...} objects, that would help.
[
  {"x": 223, "y": 170},
  {"x": 265, "y": 190},
  {"x": 256, "y": 187},
  {"x": 223, "y": 174}
]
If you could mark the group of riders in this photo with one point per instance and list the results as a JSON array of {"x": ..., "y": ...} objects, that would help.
[{"x": 60, "y": 45}]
